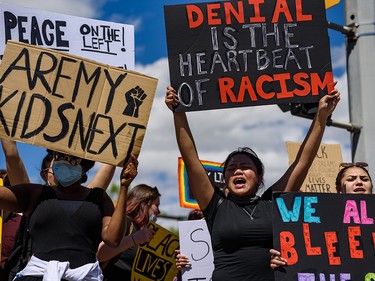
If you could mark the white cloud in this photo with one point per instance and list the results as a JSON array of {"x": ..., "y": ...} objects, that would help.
[
  {"x": 338, "y": 54},
  {"x": 121, "y": 18}
]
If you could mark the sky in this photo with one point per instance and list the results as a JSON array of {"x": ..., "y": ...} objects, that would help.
[{"x": 216, "y": 132}]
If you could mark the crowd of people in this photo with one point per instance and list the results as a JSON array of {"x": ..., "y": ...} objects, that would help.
[{"x": 94, "y": 240}]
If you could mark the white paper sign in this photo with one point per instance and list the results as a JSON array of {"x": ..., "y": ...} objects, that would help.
[
  {"x": 195, "y": 243},
  {"x": 102, "y": 41}
]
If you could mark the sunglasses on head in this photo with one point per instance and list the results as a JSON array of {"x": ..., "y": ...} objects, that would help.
[
  {"x": 57, "y": 156},
  {"x": 356, "y": 164}
]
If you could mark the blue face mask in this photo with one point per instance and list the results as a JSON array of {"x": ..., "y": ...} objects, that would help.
[
  {"x": 65, "y": 173},
  {"x": 153, "y": 218}
]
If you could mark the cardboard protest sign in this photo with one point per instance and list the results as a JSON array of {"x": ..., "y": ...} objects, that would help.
[
  {"x": 215, "y": 173},
  {"x": 155, "y": 260},
  {"x": 195, "y": 243},
  {"x": 107, "y": 42},
  {"x": 73, "y": 105},
  {"x": 323, "y": 171},
  {"x": 246, "y": 53},
  {"x": 325, "y": 236}
]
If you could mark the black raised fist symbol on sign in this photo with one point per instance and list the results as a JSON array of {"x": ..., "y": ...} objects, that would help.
[{"x": 134, "y": 98}]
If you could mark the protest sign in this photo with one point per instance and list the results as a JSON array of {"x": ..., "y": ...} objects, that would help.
[
  {"x": 155, "y": 260},
  {"x": 246, "y": 53},
  {"x": 215, "y": 173},
  {"x": 195, "y": 243},
  {"x": 323, "y": 171},
  {"x": 106, "y": 42},
  {"x": 73, "y": 105},
  {"x": 324, "y": 236}
]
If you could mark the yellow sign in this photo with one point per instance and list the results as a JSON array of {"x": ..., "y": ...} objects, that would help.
[
  {"x": 155, "y": 260},
  {"x": 73, "y": 105},
  {"x": 323, "y": 171},
  {"x": 330, "y": 3}
]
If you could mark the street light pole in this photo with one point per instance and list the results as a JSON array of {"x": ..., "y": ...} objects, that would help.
[{"x": 360, "y": 50}]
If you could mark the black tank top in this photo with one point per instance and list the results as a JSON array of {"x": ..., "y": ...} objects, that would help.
[{"x": 65, "y": 230}]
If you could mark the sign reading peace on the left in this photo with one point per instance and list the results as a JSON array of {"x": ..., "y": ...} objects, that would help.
[{"x": 73, "y": 105}]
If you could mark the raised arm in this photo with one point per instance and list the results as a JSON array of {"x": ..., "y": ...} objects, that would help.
[
  {"x": 103, "y": 177},
  {"x": 199, "y": 182},
  {"x": 296, "y": 173},
  {"x": 15, "y": 168},
  {"x": 114, "y": 226}
]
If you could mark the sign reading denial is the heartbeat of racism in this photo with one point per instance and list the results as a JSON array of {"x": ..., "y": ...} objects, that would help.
[
  {"x": 246, "y": 53},
  {"x": 73, "y": 105},
  {"x": 325, "y": 236}
]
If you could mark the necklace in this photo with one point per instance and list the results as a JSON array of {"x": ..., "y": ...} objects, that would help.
[{"x": 252, "y": 212}]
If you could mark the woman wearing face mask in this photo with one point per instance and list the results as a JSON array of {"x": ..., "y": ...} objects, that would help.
[
  {"x": 20, "y": 252},
  {"x": 101, "y": 179},
  {"x": 142, "y": 206},
  {"x": 68, "y": 220}
]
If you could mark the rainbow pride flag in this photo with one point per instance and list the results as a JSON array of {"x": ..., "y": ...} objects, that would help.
[{"x": 215, "y": 173}]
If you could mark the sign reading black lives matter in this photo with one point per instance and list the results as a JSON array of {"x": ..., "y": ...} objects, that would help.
[
  {"x": 156, "y": 260},
  {"x": 106, "y": 42},
  {"x": 325, "y": 236},
  {"x": 73, "y": 105},
  {"x": 245, "y": 53}
]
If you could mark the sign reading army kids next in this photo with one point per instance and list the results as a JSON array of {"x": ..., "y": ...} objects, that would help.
[
  {"x": 325, "y": 236},
  {"x": 245, "y": 53},
  {"x": 73, "y": 105}
]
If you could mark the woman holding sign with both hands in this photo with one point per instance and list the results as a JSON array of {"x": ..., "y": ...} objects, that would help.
[
  {"x": 240, "y": 223},
  {"x": 353, "y": 178}
]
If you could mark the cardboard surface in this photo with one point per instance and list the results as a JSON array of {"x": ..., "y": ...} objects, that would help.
[
  {"x": 323, "y": 171},
  {"x": 73, "y": 105}
]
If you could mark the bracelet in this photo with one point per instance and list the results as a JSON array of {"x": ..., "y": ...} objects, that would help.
[{"x": 131, "y": 235}]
